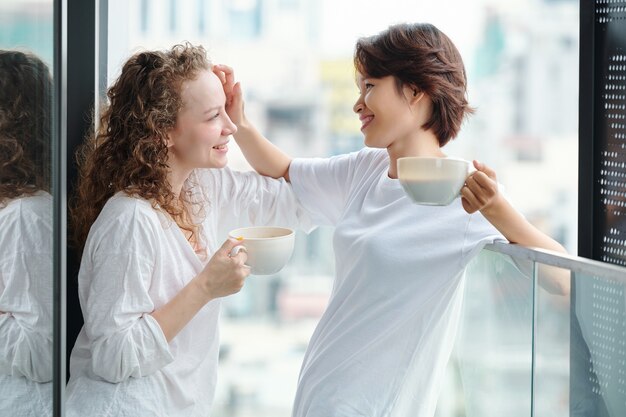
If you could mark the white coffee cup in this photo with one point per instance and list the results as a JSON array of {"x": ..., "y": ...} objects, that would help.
[
  {"x": 268, "y": 248},
  {"x": 433, "y": 181}
]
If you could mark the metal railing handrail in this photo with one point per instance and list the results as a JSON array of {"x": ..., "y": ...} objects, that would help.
[{"x": 574, "y": 263}]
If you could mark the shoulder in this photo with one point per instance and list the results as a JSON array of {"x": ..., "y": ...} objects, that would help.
[
  {"x": 223, "y": 184},
  {"x": 124, "y": 220},
  {"x": 26, "y": 222},
  {"x": 373, "y": 159},
  {"x": 372, "y": 154},
  {"x": 361, "y": 159},
  {"x": 223, "y": 176},
  {"x": 34, "y": 208},
  {"x": 126, "y": 207}
]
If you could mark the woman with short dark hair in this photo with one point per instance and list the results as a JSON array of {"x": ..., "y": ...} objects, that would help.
[{"x": 382, "y": 345}]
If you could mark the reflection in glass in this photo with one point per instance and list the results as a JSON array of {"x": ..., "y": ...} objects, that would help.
[
  {"x": 25, "y": 236},
  {"x": 552, "y": 342},
  {"x": 489, "y": 374},
  {"x": 598, "y": 347}
]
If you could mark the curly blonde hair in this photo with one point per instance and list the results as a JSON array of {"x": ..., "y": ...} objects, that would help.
[
  {"x": 128, "y": 152},
  {"x": 25, "y": 125}
]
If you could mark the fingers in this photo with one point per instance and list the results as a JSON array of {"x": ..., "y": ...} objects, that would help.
[
  {"x": 480, "y": 195},
  {"x": 485, "y": 169},
  {"x": 226, "y": 75},
  {"x": 237, "y": 90},
  {"x": 241, "y": 254},
  {"x": 481, "y": 188},
  {"x": 481, "y": 184},
  {"x": 224, "y": 68},
  {"x": 469, "y": 201},
  {"x": 229, "y": 245},
  {"x": 234, "y": 98}
]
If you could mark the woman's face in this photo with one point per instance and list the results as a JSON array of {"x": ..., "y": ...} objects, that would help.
[
  {"x": 386, "y": 115},
  {"x": 200, "y": 137}
]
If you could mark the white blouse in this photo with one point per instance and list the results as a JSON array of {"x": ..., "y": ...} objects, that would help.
[
  {"x": 134, "y": 262},
  {"x": 26, "y": 306}
]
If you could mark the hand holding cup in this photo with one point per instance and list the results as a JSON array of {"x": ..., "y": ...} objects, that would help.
[{"x": 225, "y": 274}]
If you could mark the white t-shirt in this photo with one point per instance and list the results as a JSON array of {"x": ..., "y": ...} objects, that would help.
[
  {"x": 382, "y": 345},
  {"x": 134, "y": 262},
  {"x": 26, "y": 300}
]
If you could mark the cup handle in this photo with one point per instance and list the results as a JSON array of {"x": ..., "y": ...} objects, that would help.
[
  {"x": 470, "y": 171},
  {"x": 237, "y": 249}
]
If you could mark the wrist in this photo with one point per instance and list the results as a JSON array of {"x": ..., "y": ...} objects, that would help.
[
  {"x": 200, "y": 287},
  {"x": 494, "y": 207}
]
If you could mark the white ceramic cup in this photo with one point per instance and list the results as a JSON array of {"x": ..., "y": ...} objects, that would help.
[
  {"x": 268, "y": 248},
  {"x": 433, "y": 181}
]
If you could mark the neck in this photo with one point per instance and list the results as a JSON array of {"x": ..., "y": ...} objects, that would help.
[
  {"x": 421, "y": 143},
  {"x": 177, "y": 178}
]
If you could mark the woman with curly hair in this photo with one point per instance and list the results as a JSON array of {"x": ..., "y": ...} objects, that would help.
[
  {"x": 154, "y": 196},
  {"x": 25, "y": 236},
  {"x": 381, "y": 346}
]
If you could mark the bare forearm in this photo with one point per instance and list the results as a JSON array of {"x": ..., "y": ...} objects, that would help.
[
  {"x": 263, "y": 155},
  {"x": 179, "y": 311},
  {"x": 516, "y": 229}
]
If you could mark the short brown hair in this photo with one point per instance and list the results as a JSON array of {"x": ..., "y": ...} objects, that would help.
[{"x": 422, "y": 56}]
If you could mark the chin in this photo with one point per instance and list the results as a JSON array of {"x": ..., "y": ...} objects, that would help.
[
  {"x": 216, "y": 164},
  {"x": 374, "y": 144},
  {"x": 220, "y": 164}
]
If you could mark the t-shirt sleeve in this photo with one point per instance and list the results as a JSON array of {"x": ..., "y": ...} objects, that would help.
[
  {"x": 323, "y": 184},
  {"x": 126, "y": 341},
  {"x": 243, "y": 199},
  {"x": 479, "y": 232}
]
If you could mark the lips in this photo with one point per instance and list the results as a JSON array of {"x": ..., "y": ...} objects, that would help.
[
  {"x": 365, "y": 121},
  {"x": 222, "y": 147}
]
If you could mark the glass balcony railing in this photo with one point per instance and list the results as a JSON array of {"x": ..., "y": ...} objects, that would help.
[{"x": 540, "y": 334}]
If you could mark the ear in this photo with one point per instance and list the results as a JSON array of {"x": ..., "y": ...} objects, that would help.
[
  {"x": 169, "y": 142},
  {"x": 413, "y": 94},
  {"x": 416, "y": 95}
]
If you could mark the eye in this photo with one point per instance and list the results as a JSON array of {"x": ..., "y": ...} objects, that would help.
[
  {"x": 214, "y": 117},
  {"x": 368, "y": 86}
]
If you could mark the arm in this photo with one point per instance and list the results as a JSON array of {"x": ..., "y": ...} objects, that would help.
[
  {"x": 222, "y": 276},
  {"x": 481, "y": 193},
  {"x": 129, "y": 335},
  {"x": 262, "y": 154},
  {"x": 129, "y": 338},
  {"x": 26, "y": 317}
]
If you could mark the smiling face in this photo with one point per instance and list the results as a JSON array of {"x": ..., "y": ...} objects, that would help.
[
  {"x": 386, "y": 114},
  {"x": 200, "y": 137}
]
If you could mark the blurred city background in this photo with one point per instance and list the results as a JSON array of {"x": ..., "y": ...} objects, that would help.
[{"x": 294, "y": 60}]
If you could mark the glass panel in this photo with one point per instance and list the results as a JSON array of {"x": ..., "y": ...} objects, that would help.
[
  {"x": 26, "y": 51},
  {"x": 552, "y": 342},
  {"x": 489, "y": 373},
  {"x": 598, "y": 347}
]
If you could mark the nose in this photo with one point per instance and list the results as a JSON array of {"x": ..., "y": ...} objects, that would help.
[
  {"x": 359, "y": 105},
  {"x": 229, "y": 127}
]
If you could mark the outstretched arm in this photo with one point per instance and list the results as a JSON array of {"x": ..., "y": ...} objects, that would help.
[{"x": 263, "y": 155}]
